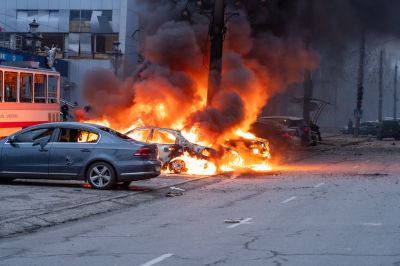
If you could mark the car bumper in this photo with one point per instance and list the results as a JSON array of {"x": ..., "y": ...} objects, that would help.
[{"x": 139, "y": 170}]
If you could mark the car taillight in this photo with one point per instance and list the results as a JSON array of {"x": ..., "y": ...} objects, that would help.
[
  {"x": 144, "y": 152},
  {"x": 285, "y": 135}
]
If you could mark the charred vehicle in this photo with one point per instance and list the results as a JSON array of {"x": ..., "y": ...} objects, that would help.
[{"x": 171, "y": 145}]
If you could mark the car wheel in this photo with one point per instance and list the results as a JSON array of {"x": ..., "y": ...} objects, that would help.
[
  {"x": 177, "y": 166},
  {"x": 101, "y": 175}
]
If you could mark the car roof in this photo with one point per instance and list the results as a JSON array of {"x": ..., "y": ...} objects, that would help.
[
  {"x": 68, "y": 124},
  {"x": 281, "y": 117},
  {"x": 157, "y": 128}
]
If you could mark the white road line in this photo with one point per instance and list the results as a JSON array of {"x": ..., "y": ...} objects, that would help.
[
  {"x": 289, "y": 199},
  {"x": 320, "y": 184},
  {"x": 157, "y": 260},
  {"x": 244, "y": 221},
  {"x": 373, "y": 224}
]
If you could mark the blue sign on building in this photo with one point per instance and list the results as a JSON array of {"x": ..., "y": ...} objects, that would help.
[
  {"x": 10, "y": 57},
  {"x": 14, "y": 55}
]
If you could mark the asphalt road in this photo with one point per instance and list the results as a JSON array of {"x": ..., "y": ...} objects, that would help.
[{"x": 338, "y": 208}]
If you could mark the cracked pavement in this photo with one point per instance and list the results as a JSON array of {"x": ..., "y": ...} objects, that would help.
[{"x": 343, "y": 211}]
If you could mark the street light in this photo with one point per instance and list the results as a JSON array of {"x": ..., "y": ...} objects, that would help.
[
  {"x": 116, "y": 53},
  {"x": 33, "y": 37}
]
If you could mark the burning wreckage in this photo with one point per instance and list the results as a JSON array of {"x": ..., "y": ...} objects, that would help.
[
  {"x": 169, "y": 90},
  {"x": 178, "y": 155}
]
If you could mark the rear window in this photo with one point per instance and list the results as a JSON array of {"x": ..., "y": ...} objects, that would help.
[
  {"x": 115, "y": 133},
  {"x": 78, "y": 136}
]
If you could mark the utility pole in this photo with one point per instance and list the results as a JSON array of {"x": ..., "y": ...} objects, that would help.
[
  {"x": 308, "y": 82},
  {"x": 308, "y": 93},
  {"x": 395, "y": 94},
  {"x": 217, "y": 28},
  {"x": 380, "y": 86},
  {"x": 360, "y": 86}
]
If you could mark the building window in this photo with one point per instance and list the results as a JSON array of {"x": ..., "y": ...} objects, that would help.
[
  {"x": 74, "y": 20},
  {"x": 26, "y": 88},
  {"x": 52, "y": 93},
  {"x": 56, "y": 39},
  {"x": 40, "y": 88},
  {"x": 90, "y": 21},
  {"x": 10, "y": 86},
  {"x": 80, "y": 44},
  {"x": 104, "y": 43}
]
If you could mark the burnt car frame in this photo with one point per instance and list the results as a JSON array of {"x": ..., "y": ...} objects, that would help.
[{"x": 171, "y": 144}]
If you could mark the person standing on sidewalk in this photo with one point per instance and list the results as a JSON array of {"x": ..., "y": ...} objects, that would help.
[{"x": 64, "y": 112}]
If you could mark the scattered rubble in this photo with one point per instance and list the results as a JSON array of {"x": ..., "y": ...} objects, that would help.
[
  {"x": 233, "y": 221},
  {"x": 171, "y": 194}
]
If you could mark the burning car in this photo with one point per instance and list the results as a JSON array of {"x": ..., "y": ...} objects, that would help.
[
  {"x": 178, "y": 155},
  {"x": 172, "y": 147}
]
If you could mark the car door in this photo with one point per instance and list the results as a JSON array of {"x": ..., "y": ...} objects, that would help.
[
  {"x": 27, "y": 154},
  {"x": 71, "y": 151}
]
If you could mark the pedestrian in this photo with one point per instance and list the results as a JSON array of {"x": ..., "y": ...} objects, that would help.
[
  {"x": 350, "y": 128},
  {"x": 65, "y": 112}
]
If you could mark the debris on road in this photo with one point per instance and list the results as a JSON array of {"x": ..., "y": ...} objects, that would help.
[
  {"x": 177, "y": 188},
  {"x": 233, "y": 221},
  {"x": 173, "y": 194}
]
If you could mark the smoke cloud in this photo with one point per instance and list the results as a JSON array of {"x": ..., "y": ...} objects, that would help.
[{"x": 265, "y": 51}]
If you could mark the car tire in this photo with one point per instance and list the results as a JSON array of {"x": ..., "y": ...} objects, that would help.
[
  {"x": 101, "y": 175},
  {"x": 177, "y": 166}
]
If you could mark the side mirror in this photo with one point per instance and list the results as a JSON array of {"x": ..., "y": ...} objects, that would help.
[{"x": 12, "y": 139}]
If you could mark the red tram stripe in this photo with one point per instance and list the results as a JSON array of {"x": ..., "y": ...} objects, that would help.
[{"x": 20, "y": 124}]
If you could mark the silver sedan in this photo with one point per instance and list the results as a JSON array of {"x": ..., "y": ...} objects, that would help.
[{"x": 69, "y": 150}]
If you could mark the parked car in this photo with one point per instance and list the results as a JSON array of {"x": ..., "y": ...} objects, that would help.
[
  {"x": 298, "y": 124},
  {"x": 279, "y": 135},
  {"x": 388, "y": 129},
  {"x": 70, "y": 150},
  {"x": 369, "y": 128},
  {"x": 171, "y": 144}
]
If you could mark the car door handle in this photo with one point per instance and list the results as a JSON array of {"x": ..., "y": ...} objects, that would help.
[
  {"x": 85, "y": 150},
  {"x": 43, "y": 150}
]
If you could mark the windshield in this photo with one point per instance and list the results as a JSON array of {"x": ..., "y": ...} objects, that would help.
[{"x": 116, "y": 133}]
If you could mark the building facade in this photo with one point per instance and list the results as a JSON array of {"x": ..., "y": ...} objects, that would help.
[{"x": 84, "y": 30}]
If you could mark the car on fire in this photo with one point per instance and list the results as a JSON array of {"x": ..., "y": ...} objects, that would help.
[
  {"x": 171, "y": 146},
  {"x": 70, "y": 150}
]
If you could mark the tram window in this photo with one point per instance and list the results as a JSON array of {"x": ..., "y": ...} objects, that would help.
[
  {"x": 40, "y": 88},
  {"x": 10, "y": 86},
  {"x": 1, "y": 86},
  {"x": 52, "y": 93},
  {"x": 25, "y": 88}
]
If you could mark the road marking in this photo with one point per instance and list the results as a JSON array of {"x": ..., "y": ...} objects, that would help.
[
  {"x": 244, "y": 221},
  {"x": 289, "y": 199},
  {"x": 157, "y": 260},
  {"x": 320, "y": 184},
  {"x": 373, "y": 224}
]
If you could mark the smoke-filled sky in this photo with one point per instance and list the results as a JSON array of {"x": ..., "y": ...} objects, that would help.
[{"x": 265, "y": 52}]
